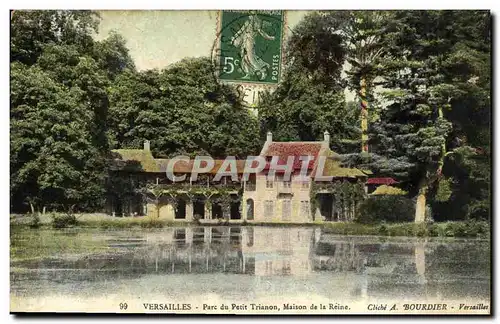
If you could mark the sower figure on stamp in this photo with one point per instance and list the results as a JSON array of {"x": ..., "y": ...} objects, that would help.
[{"x": 244, "y": 39}]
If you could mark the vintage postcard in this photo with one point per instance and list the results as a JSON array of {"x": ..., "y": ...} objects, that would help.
[{"x": 252, "y": 162}]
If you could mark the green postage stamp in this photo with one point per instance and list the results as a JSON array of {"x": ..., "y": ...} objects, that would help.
[{"x": 250, "y": 46}]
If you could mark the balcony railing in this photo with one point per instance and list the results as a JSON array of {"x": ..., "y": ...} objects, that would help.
[
  {"x": 250, "y": 186},
  {"x": 284, "y": 187},
  {"x": 187, "y": 185}
]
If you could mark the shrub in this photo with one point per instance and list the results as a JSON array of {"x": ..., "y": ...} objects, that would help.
[
  {"x": 469, "y": 228},
  {"x": 478, "y": 228},
  {"x": 151, "y": 222},
  {"x": 433, "y": 230},
  {"x": 382, "y": 230},
  {"x": 63, "y": 220},
  {"x": 421, "y": 230},
  {"x": 34, "y": 221},
  {"x": 389, "y": 208}
]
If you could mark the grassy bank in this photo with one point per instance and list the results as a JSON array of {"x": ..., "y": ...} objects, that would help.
[
  {"x": 473, "y": 229},
  {"x": 96, "y": 221},
  {"x": 35, "y": 244},
  {"x": 446, "y": 229}
]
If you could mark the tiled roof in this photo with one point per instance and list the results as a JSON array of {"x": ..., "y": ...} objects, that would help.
[
  {"x": 384, "y": 181},
  {"x": 388, "y": 190},
  {"x": 333, "y": 169},
  {"x": 296, "y": 149},
  {"x": 133, "y": 160},
  {"x": 186, "y": 167}
]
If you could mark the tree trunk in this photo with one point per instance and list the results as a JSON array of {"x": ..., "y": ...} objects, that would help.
[
  {"x": 157, "y": 201},
  {"x": 421, "y": 203},
  {"x": 364, "y": 115}
]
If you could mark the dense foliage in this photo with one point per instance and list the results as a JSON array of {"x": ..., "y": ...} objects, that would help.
[
  {"x": 181, "y": 110},
  {"x": 73, "y": 99},
  {"x": 436, "y": 76},
  {"x": 428, "y": 78},
  {"x": 311, "y": 97},
  {"x": 58, "y": 110},
  {"x": 388, "y": 208}
]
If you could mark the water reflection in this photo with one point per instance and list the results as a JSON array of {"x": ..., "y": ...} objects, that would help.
[{"x": 264, "y": 257}]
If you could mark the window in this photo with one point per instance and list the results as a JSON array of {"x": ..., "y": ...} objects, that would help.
[
  {"x": 286, "y": 210},
  {"x": 250, "y": 209},
  {"x": 286, "y": 268},
  {"x": 304, "y": 208},
  {"x": 268, "y": 209},
  {"x": 250, "y": 186},
  {"x": 287, "y": 184},
  {"x": 269, "y": 183},
  {"x": 269, "y": 267},
  {"x": 305, "y": 184}
]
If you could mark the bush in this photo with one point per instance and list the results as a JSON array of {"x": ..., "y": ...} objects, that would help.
[
  {"x": 473, "y": 229},
  {"x": 478, "y": 228},
  {"x": 470, "y": 228},
  {"x": 389, "y": 208},
  {"x": 151, "y": 222},
  {"x": 382, "y": 230},
  {"x": 63, "y": 220},
  {"x": 34, "y": 221}
]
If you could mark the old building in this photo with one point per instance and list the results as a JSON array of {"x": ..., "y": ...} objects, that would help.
[{"x": 259, "y": 198}]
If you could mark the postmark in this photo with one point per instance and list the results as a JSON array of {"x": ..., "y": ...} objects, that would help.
[{"x": 248, "y": 51}]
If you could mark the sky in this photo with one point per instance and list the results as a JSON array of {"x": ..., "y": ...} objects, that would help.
[{"x": 157, "y": 38}]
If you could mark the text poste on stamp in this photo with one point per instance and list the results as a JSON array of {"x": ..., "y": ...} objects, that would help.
[{"x": 250, "y": 46}]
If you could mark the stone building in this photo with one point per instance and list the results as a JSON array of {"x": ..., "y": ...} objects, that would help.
[{"x": 258, "y": 198}]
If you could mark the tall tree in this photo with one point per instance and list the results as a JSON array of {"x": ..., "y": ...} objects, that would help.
[
  {"x": 434, "y": 63},
  {"x": 53, "y": 159},
  {"x": 181, "y": 110},
  {"x": 32, "y": 30},
  {"x": 59, "y": 107},
  {"x": 363, "y": 31},
  {"x": 311, "y": 99}
]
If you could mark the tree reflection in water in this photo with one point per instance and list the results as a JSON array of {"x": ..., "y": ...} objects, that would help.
[{"x": 363, "y": 265}]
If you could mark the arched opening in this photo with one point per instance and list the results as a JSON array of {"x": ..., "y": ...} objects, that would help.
[
  {"x": 250, "y": 209},
  {"x": 180, "y": 211},
  {"x": 235, "y": 210},
  {"x": 199, "y": 208},
  {"x": 217, "y": 211},
  {"x": 327, "y": 207}
]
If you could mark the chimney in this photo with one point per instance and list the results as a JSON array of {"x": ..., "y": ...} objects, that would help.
[
  {"x": 326, "y": 138},
  {"x": 147, "y": 146},
  {"x": 269, "y": 137}
]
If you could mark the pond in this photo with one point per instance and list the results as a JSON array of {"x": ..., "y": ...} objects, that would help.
[{"x": 197, "y": 269}]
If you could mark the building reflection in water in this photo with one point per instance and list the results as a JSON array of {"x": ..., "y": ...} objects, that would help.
[
  {"x": 268, "y": 251},
  {"x": 274, "y": 259}
]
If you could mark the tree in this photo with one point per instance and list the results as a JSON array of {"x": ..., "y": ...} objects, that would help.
[
  {"x": 52, "y": 155},
  {"x": 434, "y": 63},
  {"x": 59, "y": 107},
  {"x": 32, "y": 30},
  {"x": 112, "y": 55},
  {"x": 181, "y": 110},
  {"x": 310, "y": 98},
  {"x": 364, "y": 32}
]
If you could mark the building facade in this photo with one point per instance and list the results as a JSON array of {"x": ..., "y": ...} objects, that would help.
[{"x": 263, "y": 197}]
